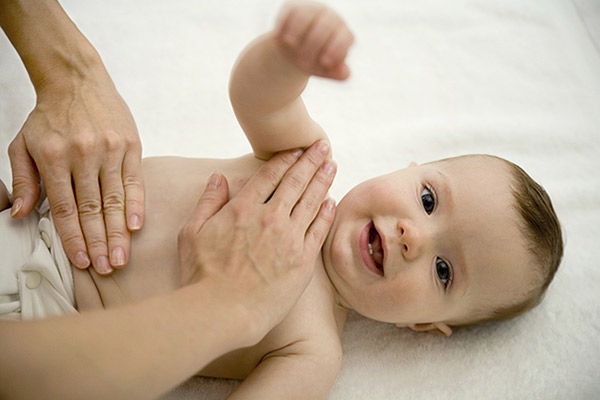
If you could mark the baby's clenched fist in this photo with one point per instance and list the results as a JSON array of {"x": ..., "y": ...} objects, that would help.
[{"x": 314, "y": 38}]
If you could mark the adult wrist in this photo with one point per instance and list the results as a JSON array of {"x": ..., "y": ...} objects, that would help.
[
  {"x": 233, "y": 320},
  {"x": 48, "y": 42},
  {"x": 69, "y": 69}
]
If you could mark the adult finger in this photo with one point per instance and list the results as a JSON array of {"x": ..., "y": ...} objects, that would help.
[
  {"x": 212, "y": 199},
  {"x": 113, "y": 208},
  {"x": 308, "y": 205},
  {"x": 318, "y": 230},
  {"x": 26, "y": 179},
  {"x": 134, "y": 190},
  {"x": 91, "y": 217},
  {"x": 295, "y": 181},
  {"x": 215, "y": 195},
  {"x": 64, "y": 214},
  {"x": 262, "y": 184}
]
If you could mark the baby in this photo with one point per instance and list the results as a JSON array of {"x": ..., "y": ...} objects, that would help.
[{"x": 430, "y": 247}]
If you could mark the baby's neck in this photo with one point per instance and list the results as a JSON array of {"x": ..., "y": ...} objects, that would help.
[{"x": 337, "y": 298}]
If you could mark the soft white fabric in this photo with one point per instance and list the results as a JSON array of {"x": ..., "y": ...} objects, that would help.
[
  {"x": 35, "y": 274},
  {"x": 430, "y": 79}
]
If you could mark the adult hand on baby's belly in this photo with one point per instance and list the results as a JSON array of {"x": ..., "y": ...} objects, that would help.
[{"x": 259, "y": 250}]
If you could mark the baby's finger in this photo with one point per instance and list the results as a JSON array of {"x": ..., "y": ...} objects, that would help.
[
  {"x": 318, "y": 230},
  {"x": 308, "y": 205},
  {"x": 336, "y": 49},
  {"x": 323, "y": 26},
  {"x": 295, "y": 25},
  {"x": 340, "y": 72}
]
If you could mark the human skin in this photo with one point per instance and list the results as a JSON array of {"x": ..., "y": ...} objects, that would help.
[
  {"x": 80, "y": 139},
  {"x": 410, "y": 293},
  {"x": 145, "y": 348},
  {"x": 4, "y": 203},
  {"x": 449, "y": 241}
]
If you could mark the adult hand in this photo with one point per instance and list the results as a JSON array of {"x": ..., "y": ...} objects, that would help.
[
  {"x": 259, "y": 250},
  {"x": 82, "y": 141}
]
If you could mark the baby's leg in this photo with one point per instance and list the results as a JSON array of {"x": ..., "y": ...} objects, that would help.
[{"x": 4, "y": 202}]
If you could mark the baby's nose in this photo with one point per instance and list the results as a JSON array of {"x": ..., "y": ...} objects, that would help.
[{"x": 412, "y": 239}]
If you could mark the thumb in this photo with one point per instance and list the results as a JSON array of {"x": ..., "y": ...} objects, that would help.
[
  {"x": 26, "y": 178},
  {"x": 214, "y": 197}
]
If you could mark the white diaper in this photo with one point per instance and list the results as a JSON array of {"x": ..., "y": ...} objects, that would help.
[{"x": 35, "y": 274}]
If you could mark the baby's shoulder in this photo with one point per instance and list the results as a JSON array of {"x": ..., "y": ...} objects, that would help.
[
  {"x": 308, "y": 333},
  {"x": 315, "y": 323},
  {"x": 311, "y": 341}
]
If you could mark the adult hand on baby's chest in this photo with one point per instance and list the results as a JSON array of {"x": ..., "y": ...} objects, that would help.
[{"x": 258, "y": 251}]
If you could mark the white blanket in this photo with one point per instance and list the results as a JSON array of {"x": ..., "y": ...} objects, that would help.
[{"x": 430, "y": 79}]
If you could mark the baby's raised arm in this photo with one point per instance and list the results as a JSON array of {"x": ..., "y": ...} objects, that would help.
[{"x": 272, "y": 72}]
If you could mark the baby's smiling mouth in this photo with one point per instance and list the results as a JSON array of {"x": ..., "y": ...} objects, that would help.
[{"x": 376, "y": 248}]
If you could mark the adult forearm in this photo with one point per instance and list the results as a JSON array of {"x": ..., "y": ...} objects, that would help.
[
  {"x": 137, "y": 351},
  {"x": 48, "y": 42}
]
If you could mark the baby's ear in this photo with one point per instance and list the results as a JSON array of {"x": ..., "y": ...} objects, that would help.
[
  {"x": 438, "y": 328},
  {"x": 412, "y": 164}
]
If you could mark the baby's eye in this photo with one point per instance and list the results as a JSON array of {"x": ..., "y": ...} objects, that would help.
[
  {"x": 443, "y": 271},
  {"x": 428, "y": 200}
]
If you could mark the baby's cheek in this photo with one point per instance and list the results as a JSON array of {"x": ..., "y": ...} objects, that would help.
[
  {"x": 380, "y": 190},
  {"x": 402, "y": 294},
  {"x": 337, "y": 252}
]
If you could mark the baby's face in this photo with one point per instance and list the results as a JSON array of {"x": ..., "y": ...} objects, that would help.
[{"x": 429, "y": 243}]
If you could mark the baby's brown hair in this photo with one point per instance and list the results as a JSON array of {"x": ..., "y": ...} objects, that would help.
[{"x": 541, "y": 229}]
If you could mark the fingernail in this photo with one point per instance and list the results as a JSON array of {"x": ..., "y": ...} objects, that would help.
[
  {"x": 82, "y": 260},
  {"x": 135, "y": 222},
  {"x": 329, "y": 204},
  {"x": 103, "y": 266},
  {"x": 329, "y": 167},
  {"x": 16, "y": 207},
  {"x": 117, "y": 257},
  {"x": 214, "y": 180},
  {"x": 297, "y": 153},
  {"x": 323, "y": 147}
]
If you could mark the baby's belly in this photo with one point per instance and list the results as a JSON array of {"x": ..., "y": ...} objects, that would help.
[{"x": 172, "y": 188}]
